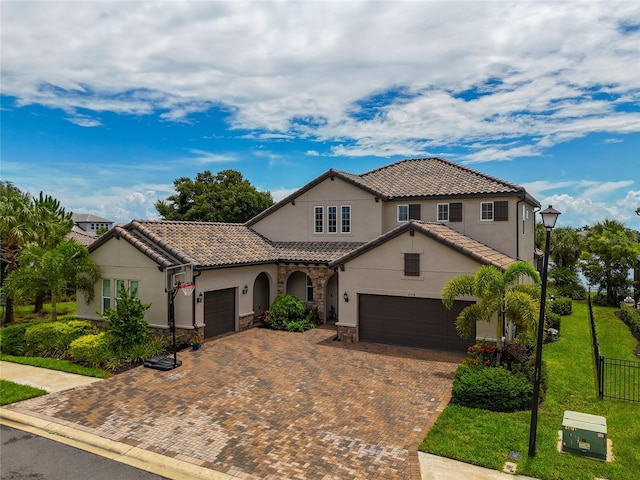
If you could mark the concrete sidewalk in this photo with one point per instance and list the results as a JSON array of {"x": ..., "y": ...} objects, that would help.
[{"x": 49, "y": 380}]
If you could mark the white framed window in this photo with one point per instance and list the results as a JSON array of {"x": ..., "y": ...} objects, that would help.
[
  {"x": 345, "y": 218},
  {"x": 443, "y": 212},
  {"x": 403, "y": 213},
  {"x": 106, "y": 294},
  {"x": 318, "y": 219},
  {"x": 486, "y": 211},
  {"x": 332, "y": 219}
]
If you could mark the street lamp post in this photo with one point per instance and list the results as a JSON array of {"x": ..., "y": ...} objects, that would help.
[{"x": 549, "y": 217}]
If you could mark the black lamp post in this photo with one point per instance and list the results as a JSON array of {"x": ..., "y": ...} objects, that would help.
[{"x": 549, "y": 217}]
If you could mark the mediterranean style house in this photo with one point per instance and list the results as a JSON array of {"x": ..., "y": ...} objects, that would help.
[{"x": 371, "y": 252}]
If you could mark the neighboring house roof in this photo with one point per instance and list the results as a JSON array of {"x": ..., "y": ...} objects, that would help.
[
  {"x": 441, "y": 233},
  {"x": 87, "y": 217},
  {"x": 421, "y": 178},
  {"x": 82, "y": 237}
]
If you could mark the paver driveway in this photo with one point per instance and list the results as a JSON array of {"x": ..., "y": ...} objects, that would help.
[{"x": 271, "y": 405}]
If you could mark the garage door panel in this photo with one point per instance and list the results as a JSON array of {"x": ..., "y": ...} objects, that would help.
[
  {"x": 219, "y": 312},
  {"x": 410, "y": 321}
]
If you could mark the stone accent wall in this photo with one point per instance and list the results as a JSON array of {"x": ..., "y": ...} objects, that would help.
[
  {"x": 245, "y": 322},
  {"x": 319, "y": 275},
  {"x": 346, "y": 333}
]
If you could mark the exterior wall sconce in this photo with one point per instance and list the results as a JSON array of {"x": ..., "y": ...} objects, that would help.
[
  {"x": 345, "y": 296},
  {"x": 200, "y": 297},
  {"x": 245, "y": 289}
]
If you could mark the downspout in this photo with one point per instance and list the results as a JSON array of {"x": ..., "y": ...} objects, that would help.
[
  {"x": 194, "y": 300},
  {"x": 518, "y": 228}
]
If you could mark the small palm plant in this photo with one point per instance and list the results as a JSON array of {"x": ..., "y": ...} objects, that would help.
[{"x": 497, "y": 291}]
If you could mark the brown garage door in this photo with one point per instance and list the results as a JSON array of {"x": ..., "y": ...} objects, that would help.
[
  {"x": 411, "y": 321},
  {"x": 219, "y": 312}
]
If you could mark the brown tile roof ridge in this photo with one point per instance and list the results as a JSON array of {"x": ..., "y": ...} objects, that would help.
[
  {"x": 143, "y": 246},
  {"x": 140, "y": 225}
]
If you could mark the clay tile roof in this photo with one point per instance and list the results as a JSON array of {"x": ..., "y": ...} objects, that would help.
[
  {"x": 313, "y": 252},
  {"x": 433, "y": 177},
  {"x": 207, "y": 244},
  {"x": 82, "y": 237},
  {"x": 441, "y": 233}
]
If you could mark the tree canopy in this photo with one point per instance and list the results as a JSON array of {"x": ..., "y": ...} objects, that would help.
[
  {"x": 611, "y": 251},
  {"x": 224, "y": 197}
]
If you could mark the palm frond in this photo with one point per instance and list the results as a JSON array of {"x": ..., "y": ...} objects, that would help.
[{"x": 457, "y": 287}]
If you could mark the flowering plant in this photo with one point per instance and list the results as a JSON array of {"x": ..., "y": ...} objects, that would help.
[
  {"x": 482, "y": 354},
  {"x": 195, "y": 339}
]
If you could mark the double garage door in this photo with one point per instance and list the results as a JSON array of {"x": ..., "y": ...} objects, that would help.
[
  {"x": 219, "y": 312},
  {"x": 411, "y": 322}
]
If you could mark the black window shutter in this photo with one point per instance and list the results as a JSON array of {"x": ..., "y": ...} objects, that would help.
[
  {"x": 455, "y": 212},
  {"x": 501, "y": 211},
  {"x": 414, "y": 212},
  {"x": 412, "y": 264}
]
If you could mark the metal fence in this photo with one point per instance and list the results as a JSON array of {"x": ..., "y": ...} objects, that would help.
[{"x": 615, "y": 378}]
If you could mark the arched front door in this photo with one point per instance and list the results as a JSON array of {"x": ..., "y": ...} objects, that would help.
[
  {"x": 331, "y": 299},
  {"x": 260, "y": 294}
]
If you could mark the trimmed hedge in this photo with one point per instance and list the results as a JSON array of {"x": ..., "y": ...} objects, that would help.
[
  {"x": 561, "y": 306},
  {"x": 12, "y": 339},
  {"x": 93, "y": 350},
  {"x": 631, "y": 317},
  {"x": 492, "y": 388},
  {"x": 52, "y": 339}
]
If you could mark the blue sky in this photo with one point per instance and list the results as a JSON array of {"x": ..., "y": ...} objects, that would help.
[{"x": 104, "y": 104}]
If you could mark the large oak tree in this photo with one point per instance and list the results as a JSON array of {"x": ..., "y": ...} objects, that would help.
[{"x": 224, "y": 197}]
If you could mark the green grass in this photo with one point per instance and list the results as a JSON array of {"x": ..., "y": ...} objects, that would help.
[
  {"x": 23, "y": 313},
  {"x": 614, "y": 336},
  {"x": 13, "y": 392},
  {"x": 486, "y": 438},
  {"x": 55, "y": 364}
]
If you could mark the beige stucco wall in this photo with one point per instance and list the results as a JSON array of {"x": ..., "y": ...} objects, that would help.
[
  {"x": 120, "y": 260},
  {"x": 295, "y": 223},
  {"x": 236, "y": 278},
  {"x": 381, "y": 272},
  {"x": 498, "y": 235}
]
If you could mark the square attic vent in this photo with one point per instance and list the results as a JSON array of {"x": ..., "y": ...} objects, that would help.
[{"x": 584, "y": 434}]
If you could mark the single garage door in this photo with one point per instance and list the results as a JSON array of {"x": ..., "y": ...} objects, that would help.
[
  {"x": 219, "y": 312},
  {"x": 411, "y": 322}
]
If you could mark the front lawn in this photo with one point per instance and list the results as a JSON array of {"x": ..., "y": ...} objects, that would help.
[
  {"x": 56, "y": 364},
  {"x": 485, "y": 438},
  {"x": 22, "y": 313},
  {"x": 11, "y": 392}
]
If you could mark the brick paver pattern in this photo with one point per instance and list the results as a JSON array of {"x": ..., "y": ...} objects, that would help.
[{"x": 271, "y": 405}]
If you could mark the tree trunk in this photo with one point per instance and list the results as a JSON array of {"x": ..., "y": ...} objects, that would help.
[
  {"x": 39, "y": 304},
  {"x": 8, "y": 311}
]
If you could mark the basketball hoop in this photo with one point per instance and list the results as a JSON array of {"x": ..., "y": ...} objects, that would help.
[{"x": 187, "y": 288}]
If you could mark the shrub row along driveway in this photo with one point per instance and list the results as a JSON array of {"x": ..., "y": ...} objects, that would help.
[{"x": 263, "y": 404}]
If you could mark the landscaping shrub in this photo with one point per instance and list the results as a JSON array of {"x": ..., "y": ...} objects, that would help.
[
  {"x": 93, "y": 350},
  {"x": 561, "y": 306},
  {"x": 631, "y": 317},
  {"x": 289, "y": 313},
  {"x": 52, "y": 339},
  {"x": 127, "y": 326},
  {"x": 495, "y": 389},
  {"x": 551, "y": 320},
  {"x": 12, "y": 339},
  {"x": 574, "y": 292},
  {"x": 481, "y": 354},
  {"x": 141, "y": 351}
]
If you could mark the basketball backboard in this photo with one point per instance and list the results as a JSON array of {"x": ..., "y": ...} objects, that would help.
[{"x": 178, "y": 274}]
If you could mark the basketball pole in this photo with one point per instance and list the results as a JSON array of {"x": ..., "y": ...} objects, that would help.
[{"x": 172, "y": 322}]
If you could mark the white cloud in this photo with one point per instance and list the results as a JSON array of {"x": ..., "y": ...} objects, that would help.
[
  {"x": 306, "y": 68},
  {"x": 202, "y": 157},
  {"x": 85, "y": 121},
  {"x": 279, "y": 193}
]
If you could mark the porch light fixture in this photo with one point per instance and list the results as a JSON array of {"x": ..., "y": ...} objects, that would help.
[
  {"x": 345, "y": 296},
  {"x": 245, "y": 289},
  {"x": 549, "y": 218},
  {"x": 200, "y": 297}
]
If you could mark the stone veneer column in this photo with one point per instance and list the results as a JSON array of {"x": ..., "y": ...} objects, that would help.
[
  {"x": 319, "y": 275},
  {"x": 346, "y": 333}
]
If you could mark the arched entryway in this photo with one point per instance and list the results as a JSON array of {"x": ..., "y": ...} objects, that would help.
[
  {"x": 299, "y": 285},
  {"x": 261, "y": 287}
]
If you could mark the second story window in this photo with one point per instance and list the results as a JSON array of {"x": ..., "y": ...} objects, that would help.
[
  {"x": 345, "y": 219},
  {"x": 332, "y": 219},
  {"x": 443, "y": 212},
  {"x": 486, "y": 211},
  {"x": 403, "y": 213},
  {"x": 318, "y": 215}
]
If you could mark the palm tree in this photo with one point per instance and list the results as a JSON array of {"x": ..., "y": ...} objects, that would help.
[
  {"x": 65, "y": 267},
  {"x": 497, "y": 292},
  {"x": 17, "y": 229}
]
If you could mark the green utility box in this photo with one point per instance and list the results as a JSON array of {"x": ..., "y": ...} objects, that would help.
[{"x": 584, "y": 434}]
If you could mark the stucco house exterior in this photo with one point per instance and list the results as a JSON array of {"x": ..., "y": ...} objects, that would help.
[{"x": 371, "y": 252}]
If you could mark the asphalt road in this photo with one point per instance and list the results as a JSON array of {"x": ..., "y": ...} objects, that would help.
[{"x": 25, "y": 456}]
